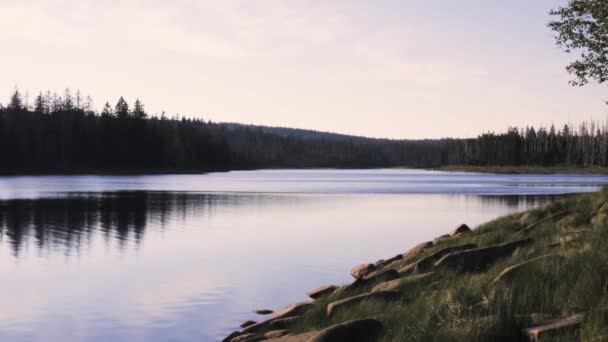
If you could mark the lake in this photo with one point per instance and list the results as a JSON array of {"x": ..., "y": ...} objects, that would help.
[{"x": 189, "y": 257}]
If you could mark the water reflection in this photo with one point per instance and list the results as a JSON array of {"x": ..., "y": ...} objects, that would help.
[
  {"x": 69, "y": 223},
  {"x": 158, "y": 266}
]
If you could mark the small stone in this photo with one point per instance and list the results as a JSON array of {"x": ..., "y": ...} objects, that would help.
[
  {"x": 248, "y": 323},
  {"x": 263, "y": 312}
]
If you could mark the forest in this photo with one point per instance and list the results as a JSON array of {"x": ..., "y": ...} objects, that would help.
[{"x": 64, "y": 134}]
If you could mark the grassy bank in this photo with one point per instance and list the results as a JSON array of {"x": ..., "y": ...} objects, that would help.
[
  {"x": 526, "y": 169},
  {"x": 567, "y": 273}
]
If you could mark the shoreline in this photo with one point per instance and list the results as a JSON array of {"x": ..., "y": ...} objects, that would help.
[
  {"x": 461, "y": 285},
  {"x": 595, "y": 170},
  {"x": 194, "y": 171}
]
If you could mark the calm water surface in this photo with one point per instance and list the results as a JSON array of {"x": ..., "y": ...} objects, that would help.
[{"x": 188, "y": 257}]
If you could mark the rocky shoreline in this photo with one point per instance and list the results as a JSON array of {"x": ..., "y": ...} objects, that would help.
[{"x": 420, "y": 270}]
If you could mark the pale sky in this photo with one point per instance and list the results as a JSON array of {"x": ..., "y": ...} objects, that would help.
[{"x": 397, "y": 69}]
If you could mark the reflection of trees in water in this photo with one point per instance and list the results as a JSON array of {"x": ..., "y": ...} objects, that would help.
[
  {"x": 70, "y": 223},
  {"x": 519, "y": 201}
]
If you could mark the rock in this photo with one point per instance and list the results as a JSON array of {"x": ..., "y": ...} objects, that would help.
[
  {"x": 441, "y": 238},
  {"x": 427, "y": 262},
  {"x": 379, "y": 276},
  {"x": 276, "y": 333},
  {"x": 248, "y": 323},
  {"x": 283, "y": 323},
  {"x": 381, "y": 263},
  {"x": 414, "y": 251},
  {"x": 336, "y": 306},
  {"x": 477, "y": 258},
  {"x": 398, "y": 284},
  {"x": 511, "y": 270},
  {"x": 558, "y": 326},
  {"x": 360, "y": 271},
  {"x": 231, "y": 336},
  {"x": 321, "y": 291},
  {"x": 293, "y": 310},
  {"x": 272, "y": 324},
  {"x": 263, "y": 312},
  {"x": 462, "y": 229},
  {"x": 243, "y": 337},
  {"x": 360, "y": 330}
]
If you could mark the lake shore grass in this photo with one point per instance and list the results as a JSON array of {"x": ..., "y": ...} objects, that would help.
[
  {"x": 525, "y": 169},
  {"x": 547, "y": 267}
]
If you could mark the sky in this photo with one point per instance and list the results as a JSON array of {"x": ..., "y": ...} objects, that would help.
[{"x": 382, "y": 68}]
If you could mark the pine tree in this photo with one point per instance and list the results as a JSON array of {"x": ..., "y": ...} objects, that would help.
[
  {"x": 122, "y": 108},
  {"x": 16, "y": 102},
  {"x": 107, "y": 111},
  {"x": 68, "y": 101},
  {"x": 40, "y": 104},
  {"x": 138, "y": 110}
]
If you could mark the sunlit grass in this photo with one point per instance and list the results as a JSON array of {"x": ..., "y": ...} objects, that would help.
[{"x": 459, "y": 306}]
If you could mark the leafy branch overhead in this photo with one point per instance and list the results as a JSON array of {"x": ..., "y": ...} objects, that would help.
[{"x": 582, "y": 27}]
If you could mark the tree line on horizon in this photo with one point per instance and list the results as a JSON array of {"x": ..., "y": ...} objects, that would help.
[{"x": 65, "y": 134}]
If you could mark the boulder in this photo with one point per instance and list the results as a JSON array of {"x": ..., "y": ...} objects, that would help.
[
  {"x": 375, "y": 277},
  {"x": 243, "y": 337},
  {"x": 359, "y": 330},
  {"x": 263, "y": 312},
  {"x": 279, "y": 320},
  {"x": 427, "y": 262},
  {"x": 381, "y": 263},
  {"x": 462, "y": 229},
  {"x": 511, "y": 270},
  {"x": 231, "y": 336},
  {"x": 283, "y": 323},
  {"x": 360, "y": 271},
  {"x": 321, "y": 292},
  {"x": 541, "y": 330},
  {"x": 399, "y": 284},
  {"x": 276, "y": 333},
  {"x": 419, "y": 248},
  {"x": 293, "y": 310},
  {"x": 478, "y": 258},
  {"x": 248, "y": 323},
  {"x": 336, "y": 306}
]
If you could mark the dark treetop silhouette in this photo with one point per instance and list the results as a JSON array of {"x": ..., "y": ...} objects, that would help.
[{"x": 61, "y": 134}]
